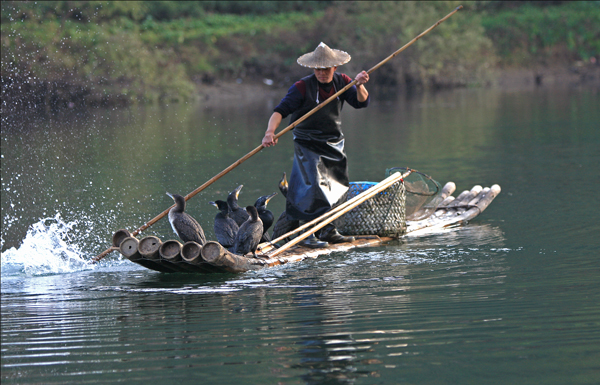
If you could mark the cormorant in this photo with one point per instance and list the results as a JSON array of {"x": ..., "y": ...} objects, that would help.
[
  {"x": 283, "y": 185},
  {"x": 225, "y": 227},
  {"x": 186, "y": 227},
  {"x": 284, "y": 225},
  {"x": 266, "y": 216},
  {"x": 248, "y": 236},
  {"x": 238, "y": 214}
]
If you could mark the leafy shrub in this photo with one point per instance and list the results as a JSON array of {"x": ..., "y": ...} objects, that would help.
[{"x": 532, "y": 35}]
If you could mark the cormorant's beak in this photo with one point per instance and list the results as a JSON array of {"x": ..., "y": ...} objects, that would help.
[
  {"x": 170, "y": 195},
  {"x": 283, "y": 183},
  {"x": 237, "y": 191},
  {"x": 214, "y": 204},
  {"x": 269, "y": 198}
]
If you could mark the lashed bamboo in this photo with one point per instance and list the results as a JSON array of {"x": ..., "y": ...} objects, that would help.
[
  {"x": 466, "y": 196},
  {"x": 233, "y": 263},
  {"x": 458, "y": 214},
  {"x": 170, "y": 251},
  {"x": 129, "y": 248},
  {"x": 191, "y": 253},
  {"x": 423, "y": 213},
  {"x": 170, "y": 255}
]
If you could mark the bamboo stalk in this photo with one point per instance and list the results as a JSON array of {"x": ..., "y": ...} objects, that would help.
[
  {"x": 149, "y": 247},
  {"x": 119, "y": 236},
  {"x": 129, "y": 248},
  {"x": 288, "y": 128},
  {"x": 216, "y": 255},
  {"x": 445, "y": 217},
  {"x": 361, "y": 198},
  {"x": 191, "y": 252}
]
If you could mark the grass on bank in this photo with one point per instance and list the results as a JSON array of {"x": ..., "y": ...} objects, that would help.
[{"x": 533, "y": 35}]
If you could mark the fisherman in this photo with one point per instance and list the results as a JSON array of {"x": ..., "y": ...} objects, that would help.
[{"x": 319, "y": 177}]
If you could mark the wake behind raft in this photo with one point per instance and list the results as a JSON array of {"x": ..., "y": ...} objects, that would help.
[{"x": 405, "y": 203}]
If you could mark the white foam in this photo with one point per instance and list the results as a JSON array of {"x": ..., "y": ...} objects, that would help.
[{"x": 46, "y": 249}]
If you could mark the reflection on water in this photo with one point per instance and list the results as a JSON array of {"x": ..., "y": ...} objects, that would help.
[{"x": 509, "y": 298}]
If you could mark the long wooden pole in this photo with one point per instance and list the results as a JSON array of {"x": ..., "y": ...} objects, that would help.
[{"x": 288, "y": 128}]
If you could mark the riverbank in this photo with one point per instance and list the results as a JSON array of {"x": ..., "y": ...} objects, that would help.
[
  {"x": 509, "y": 79},
  {"x": 577, "y": 75},
  {"x": 46, "y": 98},
  {"x": 80, "y": 55}
]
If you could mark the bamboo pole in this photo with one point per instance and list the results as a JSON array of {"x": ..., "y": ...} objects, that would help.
[
  {"x": 288, "y": 128},
  {"x": 361, "y": 198}
]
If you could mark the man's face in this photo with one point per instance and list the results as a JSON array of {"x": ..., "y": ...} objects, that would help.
[{"x": 325, "y": 75}]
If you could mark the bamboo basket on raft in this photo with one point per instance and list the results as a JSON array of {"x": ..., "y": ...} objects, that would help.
[{"x": 373, "y": 213}]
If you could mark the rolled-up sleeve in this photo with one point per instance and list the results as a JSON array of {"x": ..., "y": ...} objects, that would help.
[{"x": 351, "y": 95}]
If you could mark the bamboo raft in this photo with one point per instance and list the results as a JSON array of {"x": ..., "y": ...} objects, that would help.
[{"x": 173, "y": 257}]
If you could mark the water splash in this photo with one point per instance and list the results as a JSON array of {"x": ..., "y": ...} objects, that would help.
[{"x": 46, "y": 249}]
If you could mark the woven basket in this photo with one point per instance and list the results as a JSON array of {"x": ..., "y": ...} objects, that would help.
[{"x": 382, "y": 215}]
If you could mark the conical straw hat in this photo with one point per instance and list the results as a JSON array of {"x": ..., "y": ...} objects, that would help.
[{"x": 324, "y": 57}]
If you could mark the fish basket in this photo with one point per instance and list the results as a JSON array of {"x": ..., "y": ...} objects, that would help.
[{"x": 383, "y": 215}]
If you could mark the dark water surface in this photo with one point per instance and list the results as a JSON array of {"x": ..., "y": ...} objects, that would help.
[{"x": 511, "y": 298}]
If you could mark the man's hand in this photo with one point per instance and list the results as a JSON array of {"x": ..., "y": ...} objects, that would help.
[
  {"x": 362, "y": 78},
  {"x": 269, "y": 140}
]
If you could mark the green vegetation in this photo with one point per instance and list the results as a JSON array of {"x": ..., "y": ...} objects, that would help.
[
  {"x": 532, "y": 35},
  {"x": 107, "y": 52}
]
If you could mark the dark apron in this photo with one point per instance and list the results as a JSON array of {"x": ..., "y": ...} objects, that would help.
[{"x": 319, "y": 178}]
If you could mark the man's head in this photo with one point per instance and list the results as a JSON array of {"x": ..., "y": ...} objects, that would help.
[{"x": 325, "y": 75}]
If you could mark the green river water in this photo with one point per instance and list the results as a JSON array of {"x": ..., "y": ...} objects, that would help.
[{"x": 513, "y": 297}]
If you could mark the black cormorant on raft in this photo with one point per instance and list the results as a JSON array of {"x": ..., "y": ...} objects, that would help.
[
  {"x": 225, "y": 227},
  {"x": 186, "y": 227},
  {"x": 249, "y": 234},
  {"x": 265, "y": 215},
  {"x": 284, "y": 225},
  {"x": 238, "y": 213}
]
